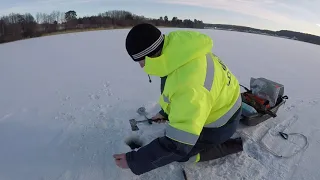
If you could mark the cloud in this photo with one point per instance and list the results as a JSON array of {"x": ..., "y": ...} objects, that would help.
[
  {"x": 257, "y": 9},
  {"x": 318, "y": 25},
  {"x": 42, "y": 5}
]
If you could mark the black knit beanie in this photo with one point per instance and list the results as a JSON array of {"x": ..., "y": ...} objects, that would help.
[{"x": 144, "y": 40}]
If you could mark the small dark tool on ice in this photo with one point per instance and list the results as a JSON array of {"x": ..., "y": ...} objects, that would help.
[
  {"x": 141, "y": 111},
  {"x": 134, "y": 123},
  {"x": 136, "y": 142}
]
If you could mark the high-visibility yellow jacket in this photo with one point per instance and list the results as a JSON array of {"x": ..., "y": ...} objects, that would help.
[{"x": 200, "y": 91}]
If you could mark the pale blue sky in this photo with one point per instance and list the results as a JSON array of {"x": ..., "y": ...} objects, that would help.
[{"x": 298, "y": 15}]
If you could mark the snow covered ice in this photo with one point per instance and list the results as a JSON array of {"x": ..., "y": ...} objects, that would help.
[{"x": 66, "y": 100}]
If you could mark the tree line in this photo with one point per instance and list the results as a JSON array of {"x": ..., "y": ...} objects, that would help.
[
  {"x": 305, "y": 37},
  {"x": 17, "y": 26}
]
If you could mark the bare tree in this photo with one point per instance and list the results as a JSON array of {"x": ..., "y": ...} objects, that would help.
[
  {"x": 17, "y": 26},
  {"x": 41, "y": 17},
  {"x": 62, "y": 17},
  {"x": 55, "y": 16},
  {"x": 38, "y": 18},
  {"x": 28, "y": 18}
]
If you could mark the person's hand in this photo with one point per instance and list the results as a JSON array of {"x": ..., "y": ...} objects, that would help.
[
  {"x": 159, "y": 118},
  {"x": 121, "y": 161}
]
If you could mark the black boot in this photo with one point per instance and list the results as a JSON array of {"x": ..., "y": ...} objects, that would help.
[{"x": 231, "y": 146}]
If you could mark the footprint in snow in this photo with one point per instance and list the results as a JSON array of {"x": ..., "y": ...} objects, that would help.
[
  {"x": 67, "y": 98},
  {"x": 314, "y": 102},
  {"x": 294, "y": 105},
  {"x": 107, "y": 89},
  {"x": 94, "y": 96},
  {"x": 6, "y": 117},
  {"x": 291, "y": 107},
  {"x": 107, "y": 84}
]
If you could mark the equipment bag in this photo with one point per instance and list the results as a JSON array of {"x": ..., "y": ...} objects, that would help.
[
  {"x": 261, "y": 105},
  {"x": 265, "y": 97},
  {"x": 267, "y": 89}
]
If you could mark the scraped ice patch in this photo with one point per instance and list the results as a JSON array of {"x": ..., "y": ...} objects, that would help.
[
  {"x": 238, "y": 166},
  {"x": 296, "y": 146},
  {"x": 285, "y": 147},
  {"x": 305, "y": 169}
]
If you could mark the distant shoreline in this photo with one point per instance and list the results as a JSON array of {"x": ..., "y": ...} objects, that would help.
[
  {"x": 15, "y": 26},
  {"x": 293, "y": 35},
  {"x": 128, "y": 27}
]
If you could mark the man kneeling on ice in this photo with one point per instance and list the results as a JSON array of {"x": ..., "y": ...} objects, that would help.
[{"x": 200, "y": 97}]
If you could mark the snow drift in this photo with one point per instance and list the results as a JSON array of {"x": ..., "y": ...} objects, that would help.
[{"x": 66, "y": 100}]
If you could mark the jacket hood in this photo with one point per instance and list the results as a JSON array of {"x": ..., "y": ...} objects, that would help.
[{"x": 179, "y": 48}]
